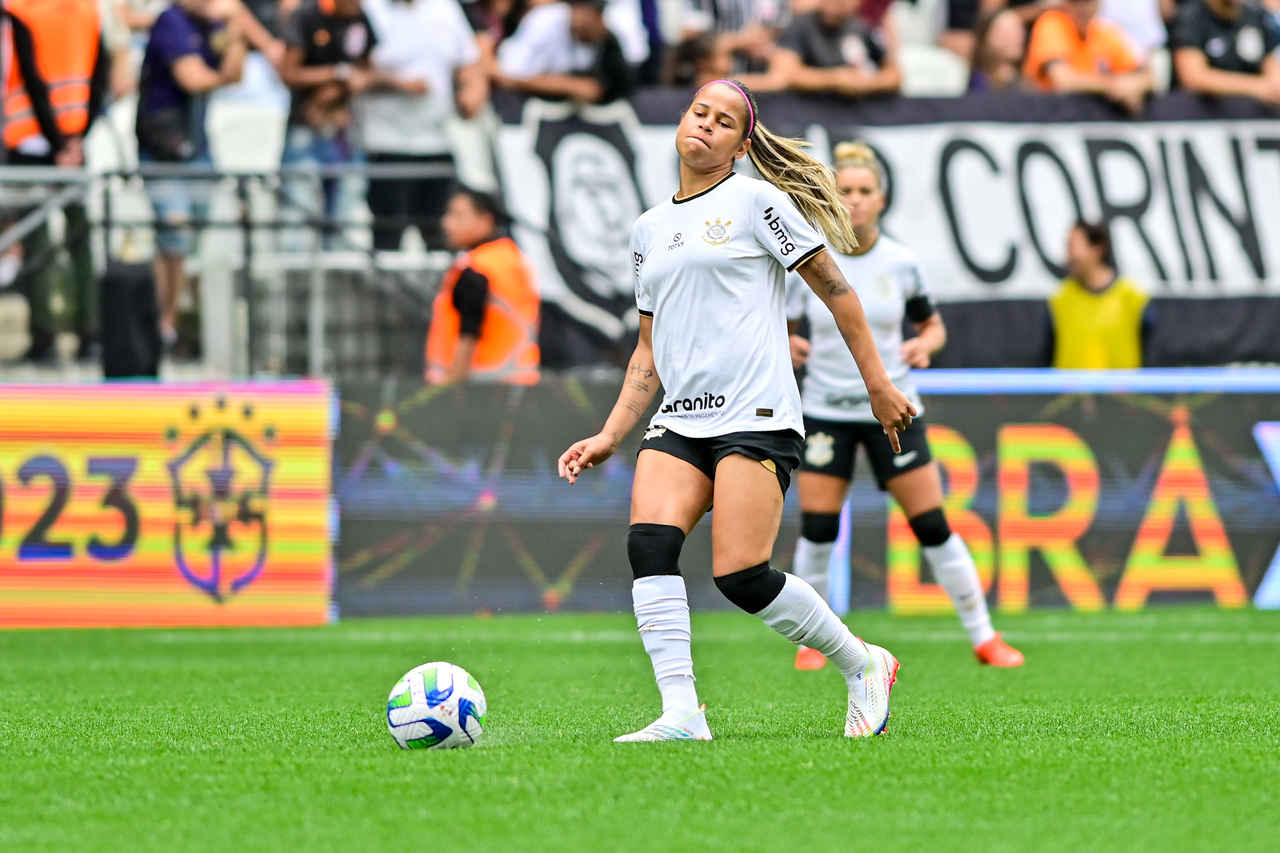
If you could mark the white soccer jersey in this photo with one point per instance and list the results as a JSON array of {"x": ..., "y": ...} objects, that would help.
[
  {"x": 888, "y": 280},
  {"x": 711, "y": 271}
]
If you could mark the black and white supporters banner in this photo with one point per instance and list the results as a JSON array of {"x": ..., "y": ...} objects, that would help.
[{"x": 1193, "y": 197}]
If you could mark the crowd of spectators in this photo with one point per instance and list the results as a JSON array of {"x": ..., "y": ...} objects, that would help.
[{"x": 378, "y": 81}]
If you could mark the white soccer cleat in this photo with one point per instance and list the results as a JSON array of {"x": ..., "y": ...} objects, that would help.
[
  {"x": 672, "y": 725},
  {"x": 868, "y": 713}
]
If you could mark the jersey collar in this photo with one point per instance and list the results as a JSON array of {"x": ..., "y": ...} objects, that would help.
[{"x": 701, "y": 193}]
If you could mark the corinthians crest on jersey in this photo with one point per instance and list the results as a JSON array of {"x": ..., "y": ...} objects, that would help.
[{"x": 717, "y": 233}]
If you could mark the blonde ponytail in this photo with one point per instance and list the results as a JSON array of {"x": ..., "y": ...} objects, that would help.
[
  {"x": 860, "y": 155},
  {"x": 784, "y": 163}
]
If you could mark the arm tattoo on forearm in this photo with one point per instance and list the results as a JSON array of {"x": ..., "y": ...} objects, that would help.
[
  {"x": 830, "y": 281},
  {"x": 638, "y": 376},
  {"x": 833, "y": 283},
  {"x": 835, "y": 286}
]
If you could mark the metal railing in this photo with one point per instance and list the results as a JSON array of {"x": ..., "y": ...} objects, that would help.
[{"x": 259, "y": 207}]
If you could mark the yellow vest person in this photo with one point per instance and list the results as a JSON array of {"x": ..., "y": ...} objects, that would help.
[
  {"x": 1098, "y": 319},
  {"x": 484, "y": 320}
]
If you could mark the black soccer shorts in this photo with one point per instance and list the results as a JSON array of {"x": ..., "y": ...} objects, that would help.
[
  {"x": 779, "y": 450},
  {"x": 831, "y": 447}
]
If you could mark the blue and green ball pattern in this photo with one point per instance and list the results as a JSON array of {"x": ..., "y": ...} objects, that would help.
[{"x": 436, "y": 706}]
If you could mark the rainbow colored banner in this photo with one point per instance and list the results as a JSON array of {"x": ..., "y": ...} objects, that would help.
[
  {"x": 1089, "y": 490},
  {"x": 162, "y": 505}
]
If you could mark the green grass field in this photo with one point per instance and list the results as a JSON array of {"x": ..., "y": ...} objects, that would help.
[{"x": 1152, "y": 731}]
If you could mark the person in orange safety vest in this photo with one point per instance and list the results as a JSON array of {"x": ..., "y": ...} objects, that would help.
[
  {"x": 55, "y": 74},
  {"x": 56, "y": 80},
  {"x": 484, "y": 321}
]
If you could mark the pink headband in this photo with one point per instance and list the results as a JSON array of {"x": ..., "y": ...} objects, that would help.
[{"x": 751, "y": 113}]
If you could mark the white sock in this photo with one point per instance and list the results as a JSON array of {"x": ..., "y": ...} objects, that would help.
[
  {"x": 813, "y": 564},
  {"x": 800, "y": 615},
  {"x": 954, "y": 570},
  {"x": 662, "y": 617}
]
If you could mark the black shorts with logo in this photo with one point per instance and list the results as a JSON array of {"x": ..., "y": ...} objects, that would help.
[
  {"x": 779, "y": 450},
  {"x": 832, "y": 445}
]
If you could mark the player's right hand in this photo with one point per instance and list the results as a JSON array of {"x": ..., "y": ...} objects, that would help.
[
  {"x": 800, "y": 349},
  {"x": 894, "y": 412},
  {"x": 583, "y": 455}
]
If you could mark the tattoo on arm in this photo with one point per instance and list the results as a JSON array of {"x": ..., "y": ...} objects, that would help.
[
  {"x": 638, "y": 377},
  {"x": 833, "y": 283},
  {"x": 835, "y": 286},
  {"x": 825, "y": 277}
]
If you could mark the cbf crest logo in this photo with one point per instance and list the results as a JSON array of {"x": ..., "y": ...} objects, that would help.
[
  {"x": 221, "y": 478},
  {"x": 717, "y": 233},
  {"x": 818, "y": 450}
]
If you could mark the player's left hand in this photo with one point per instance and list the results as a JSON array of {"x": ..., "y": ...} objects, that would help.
[
  {"x": 894, "y": 412},
  {"x": 915, "y": 353},
  {"x": 583, "y": 455}
]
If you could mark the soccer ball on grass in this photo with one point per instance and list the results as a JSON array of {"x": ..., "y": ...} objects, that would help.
[{"x": 436, "y": 706}]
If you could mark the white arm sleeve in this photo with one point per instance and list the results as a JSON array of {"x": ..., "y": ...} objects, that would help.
[
  {"x": 782, "y": 231},
  {"x": 644, "y": 299},
  {"x": 915, "y": 284},
  {"x": 919, "y": 304}
]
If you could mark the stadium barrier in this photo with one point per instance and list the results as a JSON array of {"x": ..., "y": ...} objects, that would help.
[
  {"x": 139, "y": 504},
  {"x": 1087, "y": 490},
  {"x": 984, "y": 188},
  {"x": 283, "y": 289}
]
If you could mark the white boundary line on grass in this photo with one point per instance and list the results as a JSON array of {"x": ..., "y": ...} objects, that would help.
[{"x": 619, "y": 636}]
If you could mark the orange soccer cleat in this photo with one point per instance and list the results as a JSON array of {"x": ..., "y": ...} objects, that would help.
[
  {"x": 996, "y": 652},
  {"x": 807, "y": 658}
]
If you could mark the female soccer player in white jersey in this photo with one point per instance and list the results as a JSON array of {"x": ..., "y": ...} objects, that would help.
[
  {"x": 709, "y": 268},
  {"x": 838, "y": 413}
]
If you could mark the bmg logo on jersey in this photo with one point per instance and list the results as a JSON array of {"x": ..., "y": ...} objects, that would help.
[
  {"x": 780, "y": 231},
  {"x": 702, "y": 403},
  {"x": 637, "y": 261}
]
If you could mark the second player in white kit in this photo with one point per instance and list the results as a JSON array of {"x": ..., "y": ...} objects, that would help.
[
  {"x": 889, "y": 282},
  {"x": 710, "y": 267},
  {"x": 838, "y": 416}
]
